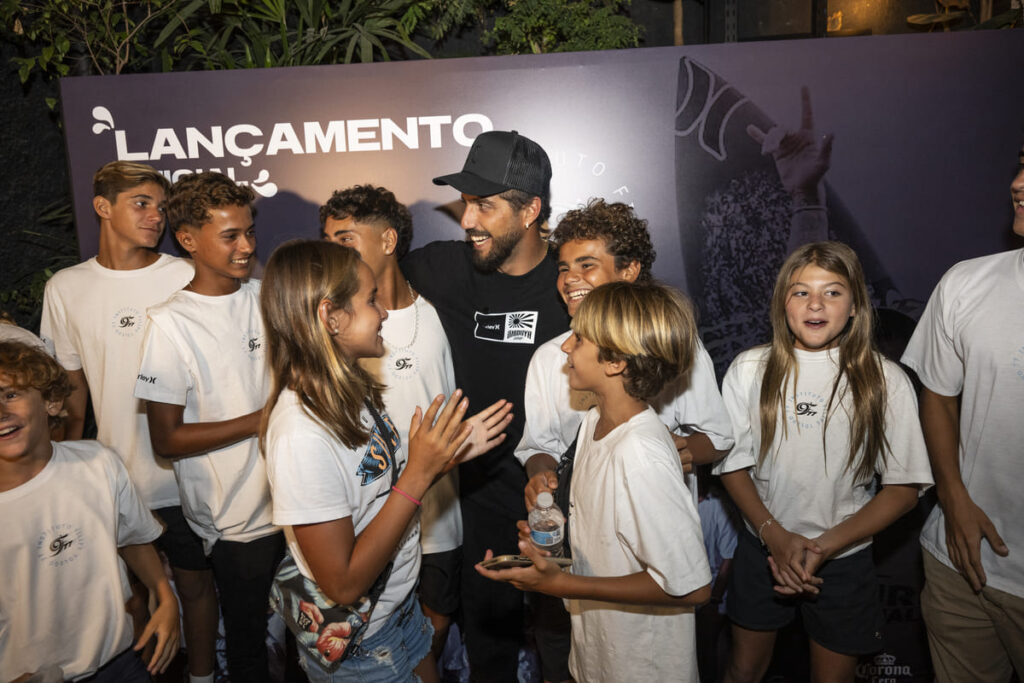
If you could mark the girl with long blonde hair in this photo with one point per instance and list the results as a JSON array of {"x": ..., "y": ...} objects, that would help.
[{"x": 818, "y": 412}]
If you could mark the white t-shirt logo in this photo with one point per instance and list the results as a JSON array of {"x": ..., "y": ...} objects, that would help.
[
  {"x": 808, "y": 410},
  {"x": 127, "y": 321},
  {"x": 59, "y": 545},
  {"x": 514, "y": 327}
]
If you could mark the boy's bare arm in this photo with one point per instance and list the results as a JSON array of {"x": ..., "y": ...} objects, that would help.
[
  {"x": 173, "y": 438},
  {"x": 163, "y": 623},
  {"x": 74, "y": 423},
  {"x": 633, "y": 589}
]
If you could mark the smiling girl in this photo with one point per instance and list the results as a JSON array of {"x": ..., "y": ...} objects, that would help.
[
  {"x": 333, "y": 458},
  {"x": 817, "y": 413}
]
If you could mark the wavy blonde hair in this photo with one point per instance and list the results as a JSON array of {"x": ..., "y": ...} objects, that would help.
[
  {"x": 651, "y": 327},
  {"x": 301, "y": 354},
  {"x": 859, "y": 363}
]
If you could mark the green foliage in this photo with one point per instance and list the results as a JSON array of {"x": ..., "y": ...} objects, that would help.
[
  {"x": 563, "y": 26},
  {"x": 62, "y": 37},
  {"x": 83, "y": 36},
  {"x": 210, "y": 34},
  {"x": 55, "y": 237}
]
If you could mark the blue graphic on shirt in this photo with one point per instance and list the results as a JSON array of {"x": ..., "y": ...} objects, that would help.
[{"x": 380, "y": 452}]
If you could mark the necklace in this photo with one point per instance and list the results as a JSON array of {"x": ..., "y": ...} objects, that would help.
[{"x": 415, "y": 323}]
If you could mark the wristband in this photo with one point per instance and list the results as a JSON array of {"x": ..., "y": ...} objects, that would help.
[
  {"x": 403, "y": 493},
  {"x": 760, "y": 530}
]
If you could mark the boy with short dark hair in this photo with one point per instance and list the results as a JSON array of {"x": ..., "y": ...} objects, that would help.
[
  {"x": 205, "y": 381},
  {"x": 415, "y": 367},
  {"x": 69, "y": 509}
]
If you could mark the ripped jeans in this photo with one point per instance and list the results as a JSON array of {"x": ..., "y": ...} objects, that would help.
[{"x": 387, "y": 656}]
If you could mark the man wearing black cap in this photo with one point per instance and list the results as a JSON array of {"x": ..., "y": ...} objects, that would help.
[{"x": 495, "y": 296}]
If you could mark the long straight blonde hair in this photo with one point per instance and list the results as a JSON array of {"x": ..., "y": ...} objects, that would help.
[
  {"x": 301, "y": 354},
  {"x": 859, "y": 363}
]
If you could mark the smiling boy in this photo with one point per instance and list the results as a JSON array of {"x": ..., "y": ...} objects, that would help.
[
  {"x": 69, "y": 509},
  {"x": 204, "y": 379},
  {"x": 602, "y": 243}
]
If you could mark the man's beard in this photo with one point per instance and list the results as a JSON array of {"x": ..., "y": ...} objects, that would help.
[{"x": 501, "y": 248}]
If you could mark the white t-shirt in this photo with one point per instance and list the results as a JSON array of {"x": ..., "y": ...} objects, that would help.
[
  {"x": 554, "y": 411},
  {"x": 13, "y": 333},
  {"x": 64, "y": 586},
  {"x": 95, "y": 317},
  {"x": 416, "y": 367},
  {"x": 206, "y": 353},
  {"x": 970, "y": 342},
  {"x": 315, "y": 478},
  {"x": 630, "y": 513},
  {"x": 807, "y": 488}
]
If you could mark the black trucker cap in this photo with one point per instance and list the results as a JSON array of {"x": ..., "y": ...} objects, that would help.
[{"x": 502, "y": 160}]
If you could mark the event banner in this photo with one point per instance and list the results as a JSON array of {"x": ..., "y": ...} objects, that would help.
[{"x": 914, "y": 142}]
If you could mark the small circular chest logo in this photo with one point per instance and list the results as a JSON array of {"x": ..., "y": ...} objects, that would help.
[
  {"x": 59, "y": 545},
  {"x": 403, "y": 364},
  {"x": 253, "y": 344},
  {"x": 127, "y": 321},
  {"x": 807, "y": 410}
]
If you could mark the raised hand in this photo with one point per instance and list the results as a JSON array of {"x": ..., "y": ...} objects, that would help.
[
  {"x": 488, "y": 430},
  {"x": 802, "y": 157},
  {"x": 435, "y": 438}
]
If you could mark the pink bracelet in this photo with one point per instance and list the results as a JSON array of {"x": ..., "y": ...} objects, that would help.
[{"x": 403, "y": 493}]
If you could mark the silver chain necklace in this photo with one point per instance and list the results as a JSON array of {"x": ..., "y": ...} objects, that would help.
[{"x": 415, "y": 324}]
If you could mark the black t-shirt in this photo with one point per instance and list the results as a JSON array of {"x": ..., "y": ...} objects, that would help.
[{"x": 494, "y": 323}]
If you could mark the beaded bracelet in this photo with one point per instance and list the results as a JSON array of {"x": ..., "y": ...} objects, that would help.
[{"x": 760, "y": 529}]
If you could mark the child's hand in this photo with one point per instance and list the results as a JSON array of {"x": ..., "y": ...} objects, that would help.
[
  {"x": 539, "y": 483},
  {"x": 164, "y": 624},
  {"x": 541, "y": 577},
  {"x": 811, "y": 588},
  {"x": 685, "y": 456},
  {"x": 434, "y": 438},
  {"x": 788, "y": 552},
  {"x": 488, "y": 430}
]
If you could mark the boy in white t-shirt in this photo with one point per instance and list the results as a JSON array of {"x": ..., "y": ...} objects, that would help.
[
  {"x": 968, "y": 351},
  {"x": 638, "y": 560},
  {"x": 416, "y": 367},
  {"x": 204, "y": 380},
  {"x": 602, "y": 243},
  {"x": 93, "y": 314},
  {"x": 69, "y": 511}
]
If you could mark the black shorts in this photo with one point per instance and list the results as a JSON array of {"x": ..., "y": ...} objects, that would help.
[
  {"x": 844, "y": 617},
  {"x": 440, "y": 581},
  {"x": 183, "y": 547}
]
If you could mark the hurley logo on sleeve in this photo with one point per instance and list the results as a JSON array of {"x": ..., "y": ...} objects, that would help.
[{"x": 517, "y": 327}]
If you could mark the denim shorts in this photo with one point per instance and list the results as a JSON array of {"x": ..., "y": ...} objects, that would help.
[{"x": 387, "y": 656}]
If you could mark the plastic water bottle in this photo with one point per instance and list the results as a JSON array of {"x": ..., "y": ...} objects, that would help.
[{"x": 546, "y": 525}]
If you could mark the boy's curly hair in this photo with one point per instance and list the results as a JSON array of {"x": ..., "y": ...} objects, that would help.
[
  {"x": 625, "y": 236},
  {"x": 374, "y": 205},
  {"x": 194, "y": 195},
  {"x": 28, "y": 367}
]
